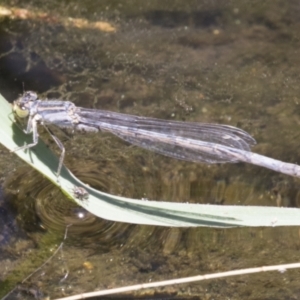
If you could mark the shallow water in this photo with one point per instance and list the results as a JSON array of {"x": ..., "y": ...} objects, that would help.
[{"x": 234, "y": 63}]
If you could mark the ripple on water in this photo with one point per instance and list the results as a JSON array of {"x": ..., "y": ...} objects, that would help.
[{"x": 42, "y": 205}]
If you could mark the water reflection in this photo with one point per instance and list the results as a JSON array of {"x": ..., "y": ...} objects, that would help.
[
  {"x": 95, "y": 246},
  {"x": 230, "y": 63}
]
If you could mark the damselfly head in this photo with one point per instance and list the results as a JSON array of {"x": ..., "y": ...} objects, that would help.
[
  {"x": 28, "y": 96},
  {"x": 21, "y": 106}
]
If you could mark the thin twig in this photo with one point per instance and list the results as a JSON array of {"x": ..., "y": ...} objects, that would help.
[{"x": 280, "y": 268}]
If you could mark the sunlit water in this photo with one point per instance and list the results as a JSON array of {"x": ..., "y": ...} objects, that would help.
[{"x": 224, "y": 63}]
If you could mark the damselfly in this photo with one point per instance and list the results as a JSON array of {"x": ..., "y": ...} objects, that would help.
[{"x": 196, "y": 142}]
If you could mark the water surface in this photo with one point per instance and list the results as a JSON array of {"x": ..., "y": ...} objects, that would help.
[{"x": 233, "y": 63}]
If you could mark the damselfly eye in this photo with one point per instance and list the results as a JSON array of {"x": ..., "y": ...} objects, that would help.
[{"x": 20, "y": 111}]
